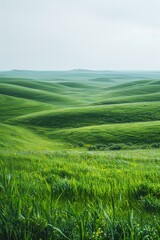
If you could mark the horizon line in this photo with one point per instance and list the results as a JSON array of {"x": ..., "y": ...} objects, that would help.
[{"x": 83, "y": 69}]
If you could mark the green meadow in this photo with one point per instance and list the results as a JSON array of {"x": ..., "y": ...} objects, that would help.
[{"x": 79, "y": 155}]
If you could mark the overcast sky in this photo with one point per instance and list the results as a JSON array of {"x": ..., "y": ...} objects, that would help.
[{"x": 71, "y": 34}]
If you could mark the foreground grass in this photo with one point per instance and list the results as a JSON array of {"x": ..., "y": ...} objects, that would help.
[{"x": 80, "y": 195}]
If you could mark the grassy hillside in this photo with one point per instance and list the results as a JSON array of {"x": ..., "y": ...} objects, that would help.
[
  {"x": 18, "y": 138},
  {"x": 88, "y": 116},
  {"x": 128, "y": 134},
  {"x": 136, "y": 91},
  {"x": 14, "y": 106},
  {"x": 33, "y": 94}
]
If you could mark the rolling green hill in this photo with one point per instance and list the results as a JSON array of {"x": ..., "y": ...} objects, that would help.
[
  {"x": 79, "y": 155},
  {"x": 88, "y": 116},
  {"x": 126, "y": 133},
  {"x": 14, "y": 106},
  {"x": 81, "y": 105}
]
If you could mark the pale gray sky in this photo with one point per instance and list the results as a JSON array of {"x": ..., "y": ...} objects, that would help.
[{"x": 68, "y": 34}]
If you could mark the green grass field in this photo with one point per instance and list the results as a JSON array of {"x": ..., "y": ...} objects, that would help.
[{"x": 79, "y": 155}]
